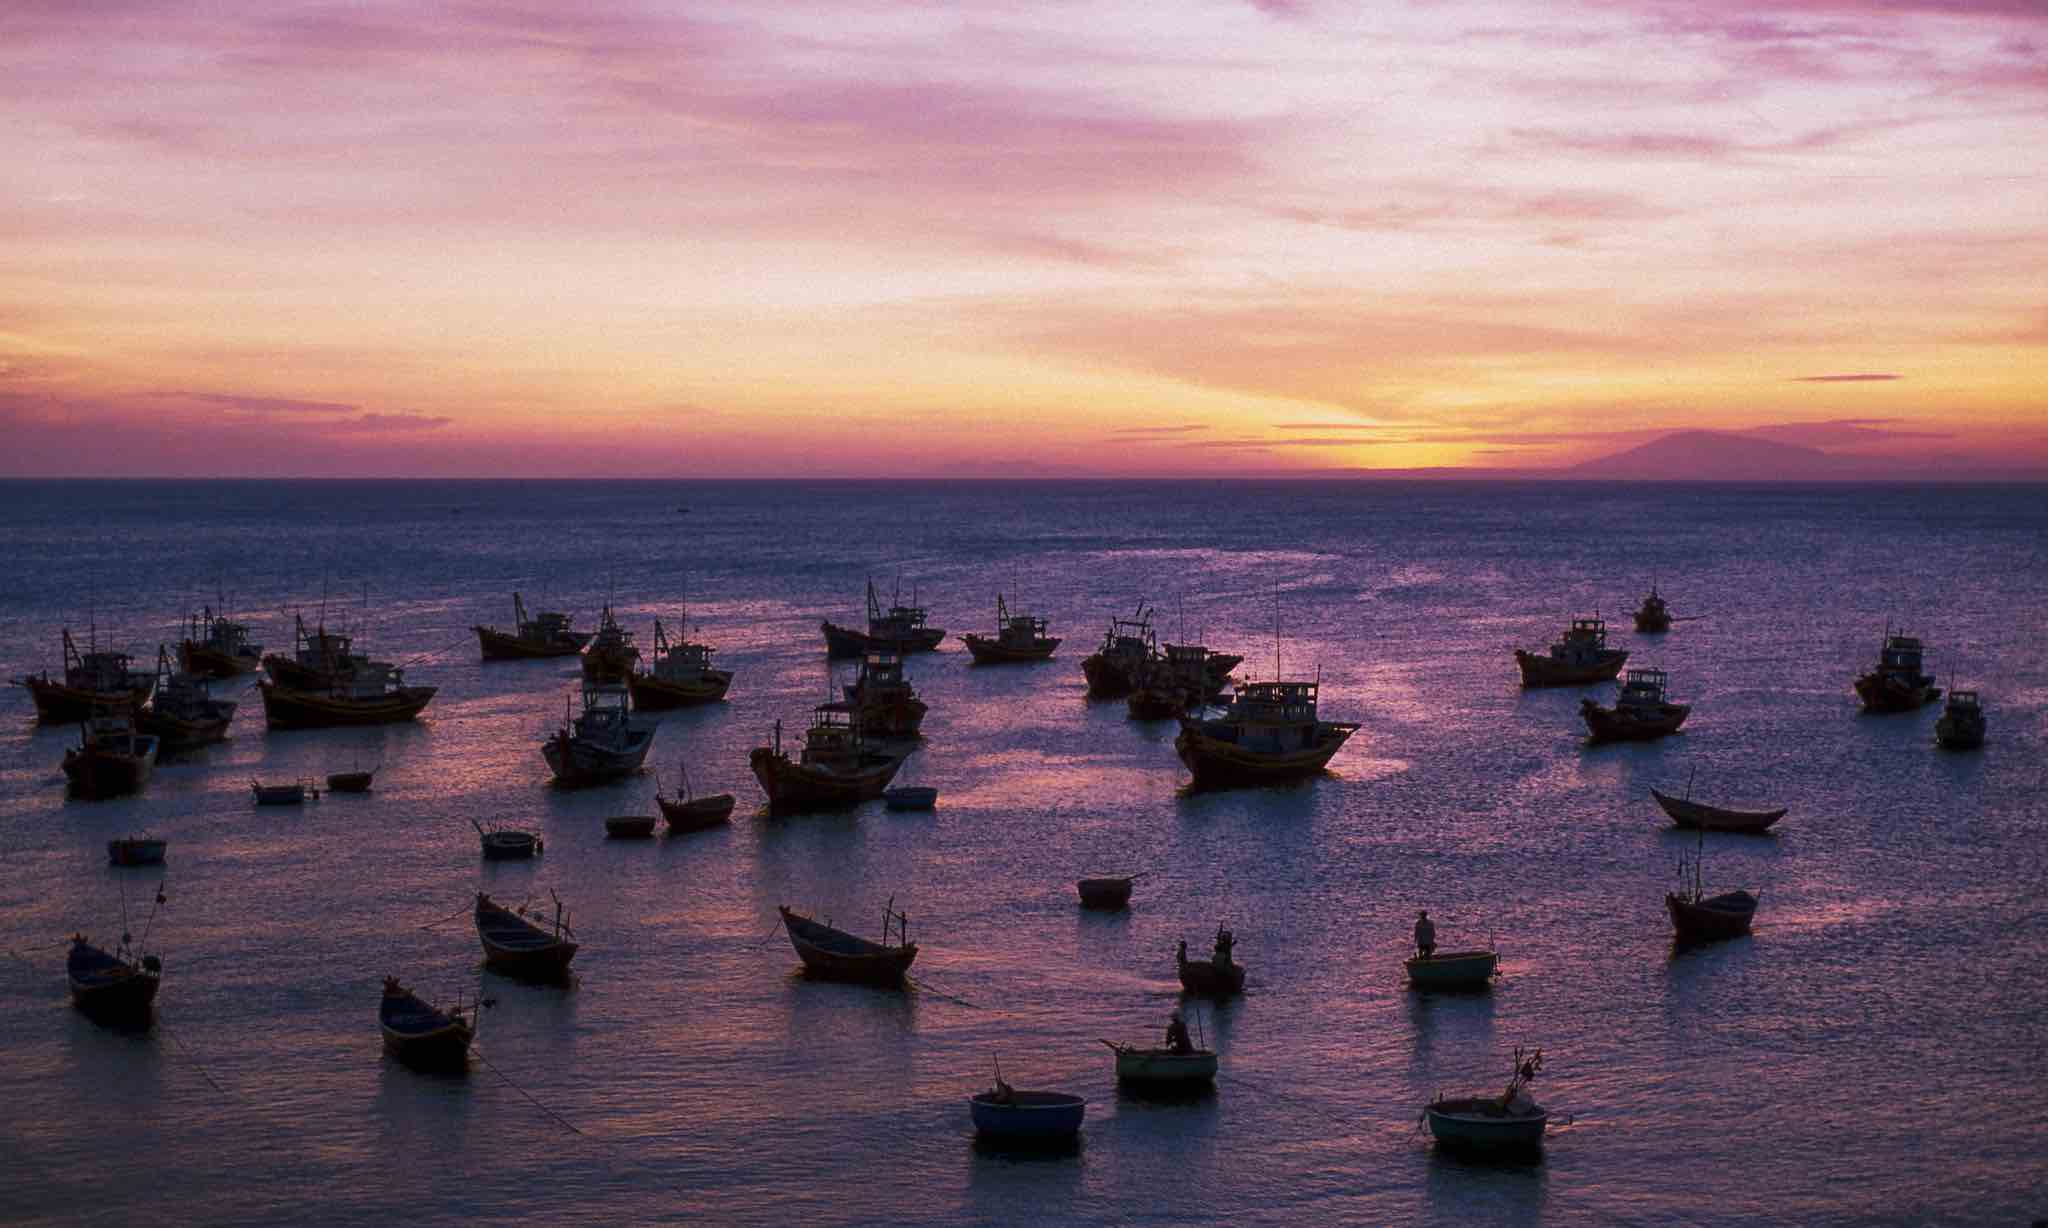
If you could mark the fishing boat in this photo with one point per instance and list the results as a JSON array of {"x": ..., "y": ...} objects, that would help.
[
  {"x": 93, "y": 679},
  {"x": 1219, "y": 976},
  {"x": 1508, "y": 1124},
  {"x": 1007, "y": 1115},
  {"x": 1269, "y": 731},
  {"x": 603, "y": 743},
  {"x": 1168, "y": 685},
  {"x": 1453, "y": 969},
  {"x": 1685, "y": 812},
  {"x": 1961, "y": 726},
  {"x": 423, "y": 1035},
  {"x": 505, "y": 843},
  {"x": 373, "y": 693},
  {"x": 1654, "y": 614},
  {"x": 216, "y": 647},
  {"x": 1699, "y": 917},
  {"x": 1018, "y": 638},
  {"x": 630, "y": 826},
  {"x": 1163, "y": 1069},
  {"x": 136, "y": 851},
  {"x": 910, "y": 797},
  {"x": 685, "y": 812},
  {"x": 350, "y": 782},
  {"x": 882, "y": 700},
  {"x": 291, "y": 793},
  {"x": 516, "y": 946},
  {"x": 182, "y": 713},
  {"x": 111, "y": 758},
  {"x": 901, "y": 629},
  {"x": 835, "y": 955},
  {"x": 548, "y": 633},
  {"x": 835, "y": 768},
  {"x": 320, "y": 658},
  {"x": 1580, "y": 657},
  {"x": 1106, "y": 893},
  {"x": 610, "y": 655},
  {"x": 1640, "y": 713},
  {"x": 1206, "y": 670},
  {"x": 112, "y": 985},
  {"x": 680, "y": 675},
  {"x": 1112, "y": 669},
  {"x": 1898, "y": 684}
]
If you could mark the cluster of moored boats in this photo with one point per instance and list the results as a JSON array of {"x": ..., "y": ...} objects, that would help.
[{"x": 852, "y": 750}]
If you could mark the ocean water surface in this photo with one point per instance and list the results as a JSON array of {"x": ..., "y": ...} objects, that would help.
[{"x": 1875, "y": 1052}]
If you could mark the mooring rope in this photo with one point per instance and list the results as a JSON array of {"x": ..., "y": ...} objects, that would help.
[{"x": 492, "y": 1067}]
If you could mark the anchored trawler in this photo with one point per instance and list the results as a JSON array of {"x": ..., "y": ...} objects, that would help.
[
  {"x": 93, "y": 679},
  {"x": 835, "y": 768},
  {"x": 1897, "y": 684},
  {"x": 1961, "y": 726},
  {"x": 883, "y": 702},
  {"x": 1112, "y": 669},
  {"x": 1654, "y": 614},
  {"x": 371, "y": 693},
  {"x": 1641, "y": 712},
  {"x": 902, "y": 629},
  {"x": 1018, "y": 637},
  {"x": 1580, "y": 657},
  {"x": 603, "y": 743},
  {"x": 320, "y": 658},
  {"x": 545, "y": 634},
  {"x": 182, "y": 713},
  {"x": 111, "y": 758},
  {"x": 217, "y": 647},
  {"x": 680, "y": 675},
  {"x": 1269, "y": 731},
  {"x": 611, "y": 653}
]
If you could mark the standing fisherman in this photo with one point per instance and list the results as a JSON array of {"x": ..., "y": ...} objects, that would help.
[{"x": 1425, "y": 934}]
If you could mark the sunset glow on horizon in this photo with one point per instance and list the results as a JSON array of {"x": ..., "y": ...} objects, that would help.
[{"x": 880, "y": 239}]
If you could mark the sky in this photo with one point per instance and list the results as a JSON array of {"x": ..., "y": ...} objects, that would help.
[{"x": 988, "y": 237}]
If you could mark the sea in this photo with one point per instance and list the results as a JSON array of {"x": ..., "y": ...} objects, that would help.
[{"x": 1876, "y": 1052}]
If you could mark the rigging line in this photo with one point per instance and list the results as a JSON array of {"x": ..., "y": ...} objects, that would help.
[
  {"x": 416, "y": 658},
  {"x": 1280, "y": 1095},
  {"x": 445, "y": 920},
  {"x": 489, "y": 1065},
  {"x": 771, "y": 933},
  {"x": 923, "y": 985},
  {"x": 192, "y": 1056}
]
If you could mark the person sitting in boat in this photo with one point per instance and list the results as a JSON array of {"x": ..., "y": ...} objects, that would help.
[
  {"x": 1225, "y": 940},
  {"x": 1177, "y": 1035},
  {"x": 1425, "y": 934},
  {"x": 1182, "y": 954}
]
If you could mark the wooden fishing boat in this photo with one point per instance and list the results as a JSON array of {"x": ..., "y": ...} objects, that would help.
[
  {"x": 516, "y": 946},
  {"x": 1654, "y": 614},
  {"x": 835, "y": 768},
  {"x": 546, "y": 634},
  {"x": 292, "y": 793},
  {"x": 112, "y": 985},
  {"x": 1961, "y": 726},
  {"x": 320, "y": 658},
  {"x": 374, "y": 693},
  {"x": 1112, "y": 669},
  {"x": 1580, "y": 657},
  {"x": 111, "y": 758},
  {"x": 215, "y": 647},
  {"x": 181, "y": 714},
  {"x": 901, "y": 629},
  {"x": 1640, "y": 713},
  {"x": 1219, "y": 976},
  {"x": 1207, "y": 672},
  {"x": 423, "y": 1035},
  {"x": 136, "y": 851},
  {"x": 1168, "y": 686},
  {"x": 1008, "y": 1115},
  {"x": 1453, "y": 969},
  {"x": 687, "y": 813},
  {"x": 1699, "y": 917},
  {"x": 910, "y": 797},
  {"x": 1508, "y": 1124},
  {"x": 630, "y": 826},
  {"x": 610, "y": 655},
  {"x": 1163, "y": 1068},
  {"x": 1898, "y": 684},
  {"x": 1269, "y": 731},
  {"x": 680, "y": 676},
  {"x": 882, "y": 700},
  {"x": 506, "y": 844},
  {"x": 603, "y": 743},
  {"x": 835, "y": 955},
  {"x": 1106, "y": 893},
  {"x": 1685, "y": 812},
  {"x": 93, "y": 679},
  {"x": 349, "y": 782},
  {"x": 1018, "y": 638}
]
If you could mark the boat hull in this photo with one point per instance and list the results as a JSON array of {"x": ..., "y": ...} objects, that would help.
[
  {"x": 1104, "y": 893},
  {"x": 577, "y": 763},
  {"x": 497, "y": 645},
  {"x": 1723, "y": 916},
  {"x": 1210, "y": 980},
  {"x": 910, "y": 797},
  {"x": 510, "y": 845},
  {"x": 795, "y": 786},
  {"x": 1630, "y": 725},
  {"x": 111, "y": 990},
  {"x": 1161, "y": 1068},
  {"x": 1145, "y": 704},
  {"x": 57, "y": 703},
  {"x": 847, "y": 642},
  {"x": 1539, "y": 670},
  {"x": 1883, "y": 693},
  {"x": 1215, "y": 763},
  {"x": 96, "y": 772},
  {"x": 1453, "y": 970},
  {"x": 516, "y": 947},
  {"x": 1029, "y": 1117},
  {"x": 653, "y": 694},
  {"x": 287, "y": 708},
  {"x": 349, "y": 782},
  {"x": 697, "y": 813},
  {"x": 1479, "y": 1124},
  {"x": 1953, "y": 734},
  {"x": 198, "y": 658},
  {"x": 1695, "y": 815},
  {"x": 1651, "y": 623},
  {"x": 187, "y": 733},
  {"x": 1109, "y": 677},
  {"x": 835, "y": 955},
  {"x": 133, "y": 851},
  {"x": 630, "y": 826},
  {"x": 445, "y": 1048},
  {"x": 987, "y": 651}
]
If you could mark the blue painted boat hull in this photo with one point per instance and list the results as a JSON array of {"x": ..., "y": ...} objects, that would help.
[{"x": 1029, "y": 1116}]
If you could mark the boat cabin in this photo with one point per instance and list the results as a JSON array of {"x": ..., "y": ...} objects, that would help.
[
  {"x": 96, "y": 670},
  {"x": 1901, "y": 655},
  {"x": 834, "y": 734},
  {"x": 1966, "y": 700},
  {"x": 370, "y": 680},
  {"x": 605, "y": 712},
  {"x": 1274, "y": 703},
  {"x": 678, "y": 659},
  {"x": 1642, "y": 688},
  {"x": 1017, "y": 630}
]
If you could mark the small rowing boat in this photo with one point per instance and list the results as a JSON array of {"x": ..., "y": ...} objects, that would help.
[
  {"x": 423, "y": 1035},
  {"x": 1507, "y": 1124},
  {"x": 630, "y": 826},
  {"x": 834, "y": 954},
  {"x": 1004, "y": 1113},
  {"x": 1219, "y": 976},
  {"x": 505, "y": 843},
  {"x": 1106, "y": 893},
  {"x": 1685, "y": 812},
  {"x": 1163, "y": 1068},
  {"x": 292, "y": 794},
  {"x": 112, "y": 985},
  {"x": 517, "y": 947},
  {"x": 1453, "y": 969},
  {"x": 686, "y": 812},
  {"x": 136, "y": 851}
]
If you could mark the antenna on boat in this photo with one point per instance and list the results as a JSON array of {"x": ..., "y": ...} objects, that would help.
[{"x": 1276, "y": 630}]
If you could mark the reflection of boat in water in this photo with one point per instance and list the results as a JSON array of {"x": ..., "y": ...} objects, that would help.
[
  {"x": 680, "y": 675},
  {"x": 834, "y": 954},
  {"x": 111, "y": 758},
  {"x": 1580, "y": 657},
  {"x": 1961, "y": 726},
  {"x": 516, "y": 946},
  {"x": 1654, "y": 614},
  {"x": 1898, "y": 684},
  {"x": 1269, "y": 731},
  {"x": 1640, "y": 713},
  {"x": 1018, "y": 638},
  {"x": 601, "y": 743},
  {"x": 136, "y": 851},
  {"x": 1505, "y": 1124},
  {"x": 610, "y": 655},
  {"x": 883, "y": 702},
  {"x": 181, "y": 711},
  {"x": 548, "y": 633},
  {"x": 372, "y": 693},
  {"x": 423, "y": 1035},
  {"x": 902, "y": 629},
  {"x": 92, "y": 679},
  {"x": 217, "y": 647},
  {"x": 1218, "y": 976},
  {"x": 1112, "y": 669},
  {"x": 835, "y": 768}
]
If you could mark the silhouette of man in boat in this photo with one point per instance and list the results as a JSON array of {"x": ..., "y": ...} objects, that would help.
[
  {"x": 1177, "y": 1035},
  {"x": 1225, "y": 940},
  {"x": 1425, "y": 934}
]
